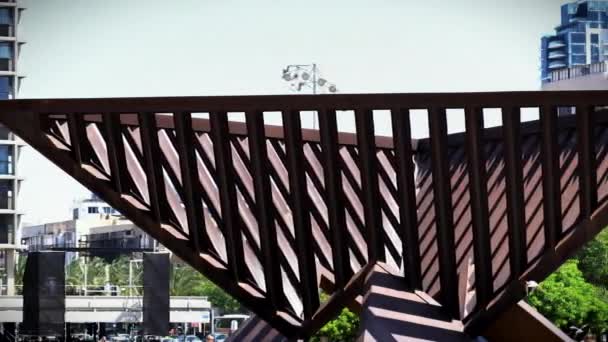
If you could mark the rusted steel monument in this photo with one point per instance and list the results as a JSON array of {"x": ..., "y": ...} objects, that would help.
[{"x": 272, "y": 214}]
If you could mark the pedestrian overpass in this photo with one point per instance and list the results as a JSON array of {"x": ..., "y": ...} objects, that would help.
[
  {"x": 272, "y": 213},
  {"x": 113, "y": 309}
]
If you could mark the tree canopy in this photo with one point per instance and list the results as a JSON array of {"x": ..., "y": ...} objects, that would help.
[
  {"x": 593, "y": 260},
  {"x": 568, "y": 300}
]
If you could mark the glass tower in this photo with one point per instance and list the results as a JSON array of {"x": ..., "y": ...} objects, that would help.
[
  {"x": 10, "y": 147},
  {"x": 580, "y": 39}
]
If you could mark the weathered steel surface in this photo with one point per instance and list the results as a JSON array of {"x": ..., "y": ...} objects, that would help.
[{"x": 240, "y": 202}]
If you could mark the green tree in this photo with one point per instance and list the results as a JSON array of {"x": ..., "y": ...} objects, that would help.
[
  {"x": 567, "y": 299},
  {"x": 593, "y": 260},
  {"x": 186, "y": 281},
  {"x": 119, "y": 271},
  {"x": 345, "y": 327},
  {"x": 75, "y": 279},
  {"x": 19, "y": 273},
  {"x": 219, "y": 298}
]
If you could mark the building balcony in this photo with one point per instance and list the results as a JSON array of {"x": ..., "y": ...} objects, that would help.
[
  {"x": 556, "y": 55},
  {"x": 557, "y": 65},
  {"x": 556, "y": 44}
]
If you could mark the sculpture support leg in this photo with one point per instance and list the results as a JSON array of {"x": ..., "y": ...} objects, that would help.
[
  {"x": 531, "y": 326},
  {"x": 390, "y": 312}
]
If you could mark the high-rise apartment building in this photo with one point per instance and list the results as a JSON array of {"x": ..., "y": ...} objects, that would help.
[
  {"x": 10, "y": 146},
  {"x": 579, "y": 46}
]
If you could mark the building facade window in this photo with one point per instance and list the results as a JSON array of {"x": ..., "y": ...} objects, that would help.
[
  {"x": 6, "y": 194},
  {"x": 6, "y": 57},
  {"x": 6, "y": 88},
  {"x": 6, "y": 22},
  {"x": 93, "y": 210},
  {"x": 6, "y": 228},
  {"x": 5, "y": 133},
  {"x": 576, "y": 37},
  {"x": 6, "y": 16},
  {"x": 6, "y": 159},
  {"x": 577, "y": 49}
]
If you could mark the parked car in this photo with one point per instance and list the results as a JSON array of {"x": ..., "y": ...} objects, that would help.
[
  {"x": 120, "y": 338},
  {"x": 82, "y": 337},
  {"x": 219, "y": 337}
]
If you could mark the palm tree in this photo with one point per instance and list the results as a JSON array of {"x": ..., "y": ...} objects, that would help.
[
  {"x": 19, "y": 273},
  {"x": 185, "y": 281}
]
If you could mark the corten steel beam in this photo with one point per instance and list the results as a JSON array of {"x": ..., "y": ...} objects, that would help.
[
  {"x": 189, "y": 171},
  {"x": 585, "y": 125},
  {"x": 407, "y": 197},
  {"x": 264, "y": 212},
  {"x": 300, "y": 203},
  {"x": 438, "y": 129},
  {"x": 81, "y": 149},
  {"x": 479, "y": 205},
  {"x": 523, "y": 322},
  {"x": 551, "y": 176},
  {"x": 227, "y": 192},
  {"x": 307, "y": 102},
  {"x": 251, "y": 177},
  {"x": 364, "y": 120},
  {"x": 514, "y": 189},
  {"x": 118, "y": 165},
  {"x": 155, "y": 179},
  {"x": 334, "y": 196}
]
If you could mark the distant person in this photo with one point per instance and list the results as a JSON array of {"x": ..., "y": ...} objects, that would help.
[
  {"x": 209, "y": 338},
  {"x": 102, "y": 339}
]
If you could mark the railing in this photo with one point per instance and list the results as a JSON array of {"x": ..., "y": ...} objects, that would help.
[
  {"x": 118, "y": 243},
  {"x": 34, "y": 247},
  {"x": 272, "y": 213}
]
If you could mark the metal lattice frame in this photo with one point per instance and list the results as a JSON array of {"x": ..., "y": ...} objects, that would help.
[{"x": 272, "y": 213}]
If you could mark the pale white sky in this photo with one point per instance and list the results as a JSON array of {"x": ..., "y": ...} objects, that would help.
[{"x": 117, "y": 48}]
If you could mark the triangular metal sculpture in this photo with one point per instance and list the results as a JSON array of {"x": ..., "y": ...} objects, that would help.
[{"x": 274, "y": 213}]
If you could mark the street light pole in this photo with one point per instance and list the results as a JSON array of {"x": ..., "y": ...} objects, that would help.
[
  {"x": 314, "y": 79},
  {"x": 307, "y": 75}
]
